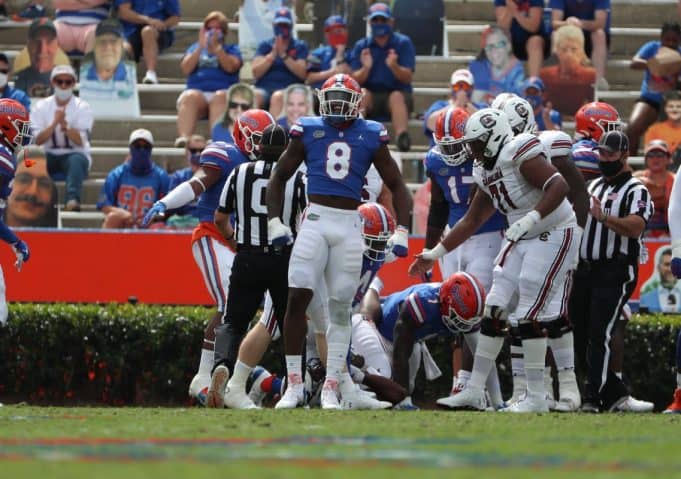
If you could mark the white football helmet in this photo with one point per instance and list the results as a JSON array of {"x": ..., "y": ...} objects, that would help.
[
  {"x": 486, "y": 132},
  {"x": 500, "y": 99},
  {"x": 520, "y": 115}
]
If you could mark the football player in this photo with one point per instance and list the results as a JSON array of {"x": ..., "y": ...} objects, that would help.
[
  {"x": 530, "y": 279},
  {"x": 15, "y": 132},
  {"x": 338, "y": 149},
  {"x": 673, "y": 214},
  {"x": 212, "y": 253}
]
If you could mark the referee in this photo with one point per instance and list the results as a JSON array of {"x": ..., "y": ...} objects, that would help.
[
  {"x": 608, "y": 268},
  {"x": 258, "y": 266}
]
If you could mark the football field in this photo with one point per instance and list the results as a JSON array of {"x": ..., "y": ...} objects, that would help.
[{"x": 131, "y": 443}]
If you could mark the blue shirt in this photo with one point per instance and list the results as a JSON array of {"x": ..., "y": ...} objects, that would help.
[
  {"x": 555, "y": 118},
  {"x": 455, "y": 182},
  {"x": 380, "y": 78},
  {"x": 321, "y": 59},
  {"x": 338, "y": 159},
  {"x": 177, "y": 178},
  {"x": 223, "y": 157},
  {"x": 221, "y": 133},
  {"x": 518, "y": 32},
  {"x": 18, "y": 95},
  {"x": 586, "y": 156},
  {"x": 421, "y": 304},
  {"x": 653, "y": 87},
  {"x": 8, "y": 166},
  {"x": 279, "y": 76},
  {"x": 158, "y": 9},
  {"x": 208, "y": 74},
  {"x": 134, "y": 193},
  {"x": 582, "y": 9},
  {"x": 511, "y": 82}
]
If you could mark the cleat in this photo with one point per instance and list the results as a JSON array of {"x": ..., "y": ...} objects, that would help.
[
  {"x": 470, "y": 398},
  {"x": 570, "y": 399},
  {"x": 198, "y": 388},
  {"x": 590, "y": 407},
  {"x": 216, "y": 390},
  {"x": 294, "y": 396},
  {"x": 329, "y": 397},
  {"x": 256, "y": 394},
  {"x": 235, "y": 399},
  {"x": 675, "y": 406},
  {"x": 357, "y": 400},
  {"x": 567, "y": 404},
  {"x": 528, "y": 404},
  {"x": 631, "y": 404}
]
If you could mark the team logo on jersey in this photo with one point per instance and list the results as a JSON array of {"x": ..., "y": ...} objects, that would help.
[
  {"x": 488, "y": 121},
  {"x": 318, "y": 134},
  {"x": 443, "y": 172}
]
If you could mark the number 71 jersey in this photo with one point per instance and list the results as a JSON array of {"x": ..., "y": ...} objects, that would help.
[{"x": 338, "y": 159}]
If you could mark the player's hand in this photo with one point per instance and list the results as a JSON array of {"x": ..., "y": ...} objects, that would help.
[
  {"x": 23, "y": 254},
  {"x": 676, "y": 258},
  {"x": 399, "y": 242},
  {"x": 520, "y": 228},
  {"x": 278, "y": 233},
  {"x": 158, "y": 209},
  {"x": 420, "y": 265},
  {"x": 366, "y": 59}
]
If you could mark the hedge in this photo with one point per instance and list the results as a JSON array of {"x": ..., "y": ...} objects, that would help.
[{"x": 140, "y": 354}]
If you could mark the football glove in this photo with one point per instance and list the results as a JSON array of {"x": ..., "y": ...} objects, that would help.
[
  {"x": 520, "y": 228},
  {"x": 21, "y": 250},
  {"x": 399, "y": 242},
  {"x": 158, "y": 209},
  {"x": 278, "y": 233}
]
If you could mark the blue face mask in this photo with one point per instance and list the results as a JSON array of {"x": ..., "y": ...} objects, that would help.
[
  {"x": 535, "y": 101},
  {"x": 282, "y": 30},
  {"x": 380, "y": 29},
  {"x": 140, "y": 160}
]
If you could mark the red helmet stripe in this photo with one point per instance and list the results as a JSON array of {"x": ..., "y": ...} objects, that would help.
[{"x": 478, "y": 293}]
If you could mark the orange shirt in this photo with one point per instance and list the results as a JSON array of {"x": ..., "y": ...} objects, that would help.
[
  {"x": 667, "y": 131},
  {"x": 660, "y": 194},
  {"x": 567, "y": 94}
]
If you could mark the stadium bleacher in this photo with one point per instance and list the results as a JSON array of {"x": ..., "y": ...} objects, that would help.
[{"x": 633, "y": 23}]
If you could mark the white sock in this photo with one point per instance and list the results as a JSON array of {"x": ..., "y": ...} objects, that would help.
[
  {"x": 678, "y": 380},
  {"x": 563, "y": 349},
  {"x": 534, "y": 352},
  {"x": 206, "y": 363},
  {"x": 548, "y": 380},
  {"x": 347, "y": 385},
  {"x": 240, "y": 375},
  {"x": 377, "y": 285},
  {"x": 461, "y": 379},
  {"x": 335, "y": 361},
  {"x": 494, "y": 388},
  {"x": 485, "y": 355},
  {"x": 294, "y": 370}
]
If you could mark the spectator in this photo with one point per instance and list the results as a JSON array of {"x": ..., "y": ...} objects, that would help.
[
  {"x": 297, "y": 102},
  {"x": 647, "y": 107},
  {"x": 211, "y": 66},
  {"x": 383, "y": 64},
  {"x": 6, "y": 91},
  {"x": 332, "y": 57},
  {"x": 523, "y": 19},
  {"x": 569, "y": 84},
  {"x": 668, "y": 130},
  {"x": 76, "y": 21},
  {"x": 42, "y": 48},
  {"x": 149, "y": 29},
  {"x": 33, "y": 200},
  {"x": 496, "y": 70},
  {"x": 240, "y": 97},
  {"x": 462, "y": 85},
  {"x": 33, "y": 10},
  {"x": 593, "y": 17},
  {"x": 63, "y": 122},
  {"x": 186, "y": 217},
  {"x": 661, "y": 293},
  {"x": 132, "y": 188},
  {"x": 659, "y": 180},
  {"x": 255, "y": 22},
  {"x": 545, "y": 117},
  {"x": 278, "y": 62}
]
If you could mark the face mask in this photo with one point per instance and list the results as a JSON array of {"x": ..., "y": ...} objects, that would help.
[
  {"x": 610, "y": 168},
  {"x": 535, "y": 101},
  {"x": 283, "y": 31},
  {"x": 337, "y": 39},
  {"x": 3, "y": 80},
  {"x": 380, "y": 29},
  {"x": 140, "y": 160},
  {"x": 63, "y": 94}
]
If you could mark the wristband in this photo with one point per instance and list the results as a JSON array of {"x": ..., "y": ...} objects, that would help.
[{"x": 439, "y": 251}]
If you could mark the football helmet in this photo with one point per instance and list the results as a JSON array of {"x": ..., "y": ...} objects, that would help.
[
  {"x": 520, "y": 114},
  {"x": 462, "y": 301},
  {"x": 15, "y": 127},
  {"x": 248, "y": 129},
  {"x": 378, "y": 225},
  {"x": 500, "y": 99},
  {"x": 596, "y": 118},
  {"x": 486, "y": 132},
  {"x": 339, "y": 98},
  {"x": 449, "y": 130}
]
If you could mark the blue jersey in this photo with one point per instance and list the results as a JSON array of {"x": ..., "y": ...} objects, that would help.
[
  {"x": 321, "y": 60},
  {"x": 381, "y": 78},
  {"x": 279, "y": 76},
  {"x": 158, "y": 9},
  {"x": 176, "y": 179},
  {"x": 370, "y": 268},
  {"x": 455, "y": 182},
  {"x": 8, "y": 166},
  {"x": 224, "y": 157},
  {"x": 585, "y": 156},
  {"x": 221, "y": 133},
  {"x": 653, "y": 86},
  {"x": 135, "y": 193},
  {"x": 208, "y": 75},
  {"x": 421, "y": 304},
  {"x": 337, "y": 159}
]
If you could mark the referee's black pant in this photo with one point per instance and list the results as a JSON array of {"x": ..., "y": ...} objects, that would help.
[
  {"x": 255, "y": 270},
  {"x": 600, "y": 290}
]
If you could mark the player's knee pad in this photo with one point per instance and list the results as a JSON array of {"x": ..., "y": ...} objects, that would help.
[
  {"x": 553, "y": 329},
  {"x": 494, "y": 322},
  {"x": 531, "y": 329}
]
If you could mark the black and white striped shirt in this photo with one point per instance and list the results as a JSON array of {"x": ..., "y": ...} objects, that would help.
[
  {"x": 623, "y": 196},
  {"x": 244, "y": 194}
]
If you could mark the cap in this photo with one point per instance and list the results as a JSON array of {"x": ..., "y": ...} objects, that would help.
[
  {"x": 141, "y": 134},
  {"x": 379, "y": 10},
  {"x": 283, "y": 15},
  {"x": 461, "y": 75},
  {"x": 40, "y": 24},
  {"x": 110, "y": 25},
  {"x": 273, "y": 142},
  {"x": 63, "y": 70},
  {"x": 534, "y": 82},
  {"x": 657, "y": 145},
  {"x": 613, "y": 141},
  {"x": 334, "y": 21}
]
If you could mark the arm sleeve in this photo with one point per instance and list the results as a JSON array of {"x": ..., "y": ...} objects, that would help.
[
  {"x": 7, "y": 235},
  {"x": 674, "y": 210}
]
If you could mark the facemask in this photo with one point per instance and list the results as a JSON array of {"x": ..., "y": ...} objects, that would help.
[
  {"x": 535, "y": 101},
  {"x": 3, "y": 80},
  {"x": 380, "y": 29},
  {"x": 337, "y": 39},
  {"x": 63, "y": 94},
  {"x": 283, "y": 31},
  {"x": 140, "y": 160},
  {"x": 610, "y": 168}
]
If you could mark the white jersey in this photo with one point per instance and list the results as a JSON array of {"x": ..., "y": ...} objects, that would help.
[
  {"x": 556, "y": 142},
  {"x": 512, "y": 194},
  {"x": 373, "y": 184}
]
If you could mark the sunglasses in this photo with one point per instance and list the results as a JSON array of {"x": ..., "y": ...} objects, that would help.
[
  {"x": 63, "y": 82},
  {"x": 498, "y": 45},
  {"x": 461, "y": 86},
  {"x": 236, "y": 104},
  {"x": 195, "y": 151}
]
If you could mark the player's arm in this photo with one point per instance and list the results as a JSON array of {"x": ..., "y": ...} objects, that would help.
[
  {"x": 286, "y": 166},
  {"x": 578, "y": 196},
  {"x": 673, "y": 215},
  {"x": 392, "y": 178},
  {"x": 226, "y": 205},
  {"x": 543, "y": 175},
  {"x": 404, "y": 336},
  {"x": 437, "y": 214},
  {"x": 385, "y": 198},
  {"x": 386, "y": 389}
]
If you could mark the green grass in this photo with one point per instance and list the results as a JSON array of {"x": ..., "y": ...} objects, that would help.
[{"x": 132, "y": 443}]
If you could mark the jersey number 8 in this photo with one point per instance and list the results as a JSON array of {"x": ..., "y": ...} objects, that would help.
[{"x": 338, "y": 160}]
